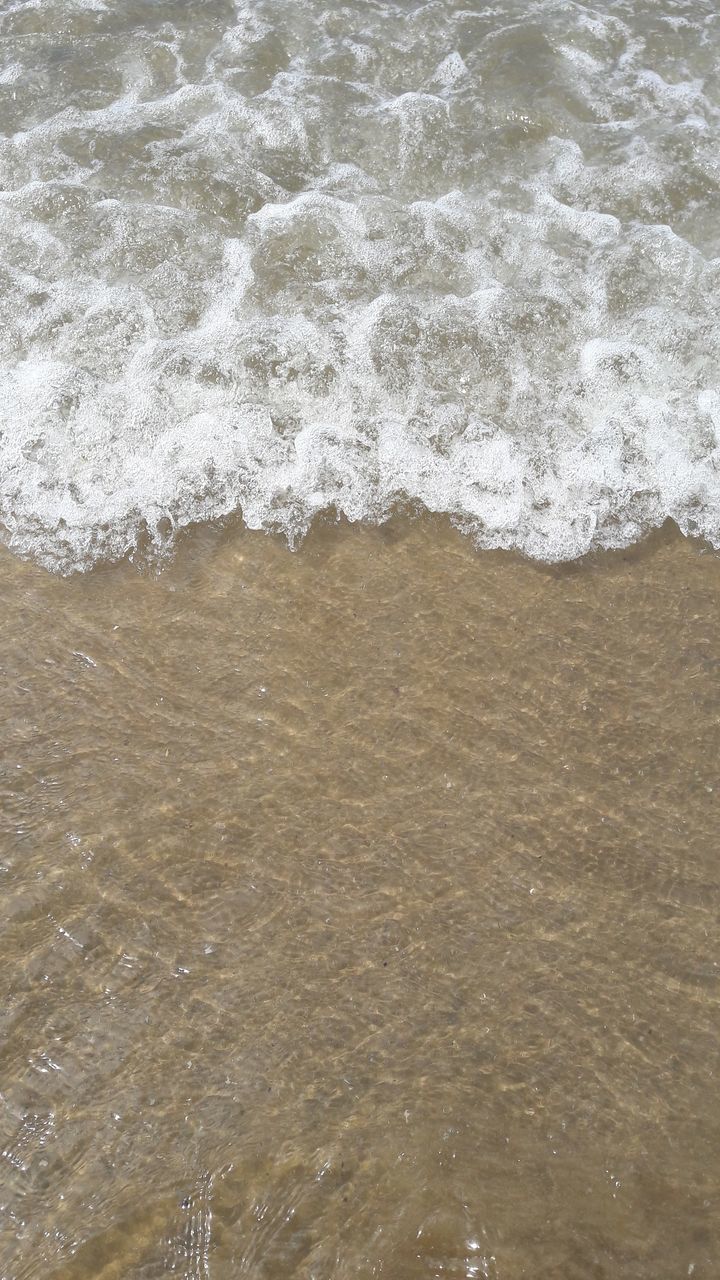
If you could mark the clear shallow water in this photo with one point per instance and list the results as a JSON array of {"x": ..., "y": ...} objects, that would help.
[
  {"x": 283, "y": 258},
  {"x": 360, "y": 914}
]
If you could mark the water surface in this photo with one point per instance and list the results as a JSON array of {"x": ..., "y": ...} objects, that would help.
[{"x": 281, "y": 257}]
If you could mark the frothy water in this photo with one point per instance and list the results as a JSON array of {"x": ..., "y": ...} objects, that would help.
[{"x": 286, "y": 258}]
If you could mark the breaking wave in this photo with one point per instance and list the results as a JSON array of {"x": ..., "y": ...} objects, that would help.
[{"x": 280, "y": 258}]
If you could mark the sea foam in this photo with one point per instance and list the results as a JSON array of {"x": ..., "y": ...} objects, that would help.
[{"x": 282, "y": 259}]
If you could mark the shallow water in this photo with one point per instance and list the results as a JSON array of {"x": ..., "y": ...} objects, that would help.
[
  {"x": 360, "y": 913},
  {"x": 359, "y": 903}
]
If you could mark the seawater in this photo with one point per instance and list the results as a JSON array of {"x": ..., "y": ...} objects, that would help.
[{"x": 284, "y": 258}]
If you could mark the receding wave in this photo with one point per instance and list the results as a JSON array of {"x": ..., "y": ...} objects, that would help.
[{"x": 282, "y": 258}]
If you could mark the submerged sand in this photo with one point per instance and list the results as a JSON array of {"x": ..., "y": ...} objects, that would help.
[{"x": 361, "y": 912}]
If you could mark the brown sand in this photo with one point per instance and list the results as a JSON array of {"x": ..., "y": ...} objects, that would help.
[{"x": 360, "y": 913}]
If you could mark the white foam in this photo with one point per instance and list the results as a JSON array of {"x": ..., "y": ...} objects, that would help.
[{"x": 284, "y": 260}]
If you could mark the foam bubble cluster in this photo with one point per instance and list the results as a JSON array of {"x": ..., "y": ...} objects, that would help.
[{"x": 283, "y": 258}]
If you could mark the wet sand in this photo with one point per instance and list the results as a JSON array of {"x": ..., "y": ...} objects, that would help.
[{"x": 360, "y": 913}]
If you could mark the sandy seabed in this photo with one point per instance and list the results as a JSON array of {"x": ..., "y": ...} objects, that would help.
[{"x": 360, "y": 912}]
